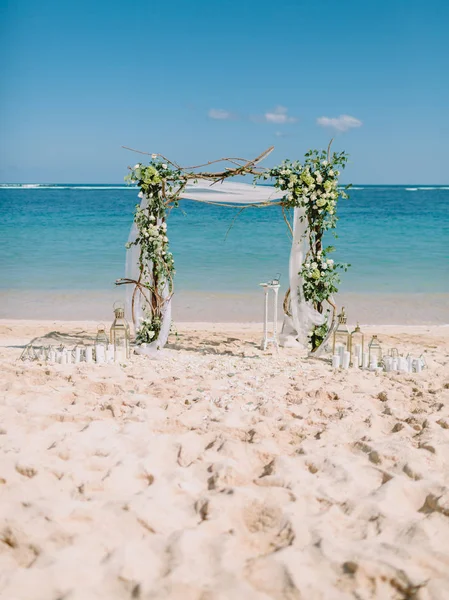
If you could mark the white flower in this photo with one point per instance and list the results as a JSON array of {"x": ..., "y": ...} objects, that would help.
[
  {"x": 330, "y": 261},
  {"x": 323, "y": 265},
  {"x": 331, "y": 173},
  {"x": 314, "y": 265},
  {"x": 318, "y": 176},
  {"x": 307, "y": 265},
  {"x": 324, "y": 162},
  {"x": 154, "y": 156},
  {"x": 164, "y": 166},
  {"x": 136, "y": 166},
  {"x": 165, "y": 238},
  {"x": 140, "y": 195}
]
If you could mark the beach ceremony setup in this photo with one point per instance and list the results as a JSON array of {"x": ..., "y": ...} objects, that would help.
[{"x": 304, "y": 456}]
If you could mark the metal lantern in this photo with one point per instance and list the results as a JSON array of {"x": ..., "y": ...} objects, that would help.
[
  {"x": 102, "y": 338},
  {"x": 374, "y": 351},
  {"x": 357, "y": 346},
  {"x": 341, "y": 339},
  {"x": 120, "y": 335}
]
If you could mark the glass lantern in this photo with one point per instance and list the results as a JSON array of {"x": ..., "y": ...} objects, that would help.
[
  {"x": 120, "y": 335},
  {"x": 357, "y": 346},
  {"x": 102, "y": 338},
  {"x": 341, "y": 339},
  {"x": 374, "y": 351}
]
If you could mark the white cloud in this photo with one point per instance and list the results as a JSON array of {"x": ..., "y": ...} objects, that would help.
[
  {"x": 281, "y": 134},
  {"x": 341, "y": 123},
  {"x": 220, "y": 114},
  {"x": 279, "y": 116}
]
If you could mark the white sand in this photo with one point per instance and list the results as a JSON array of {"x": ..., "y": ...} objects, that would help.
[{"x": 220, "y": 472}]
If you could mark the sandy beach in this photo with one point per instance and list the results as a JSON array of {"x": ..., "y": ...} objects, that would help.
[{"x": 218, "y": 471}]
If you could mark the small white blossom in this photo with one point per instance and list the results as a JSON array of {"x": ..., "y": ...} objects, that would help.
[
  {"x": 136, "y": 166},
  {"x": 154, "y": 156},
  {"x": 164, "y": 166}
]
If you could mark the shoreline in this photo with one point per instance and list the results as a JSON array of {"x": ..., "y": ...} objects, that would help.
[{"x": 212, "y": 307}]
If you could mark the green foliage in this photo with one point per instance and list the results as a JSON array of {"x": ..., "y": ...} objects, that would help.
[
  {"x": 313, "y": 185},
  {"x": 155, "y": 261}
]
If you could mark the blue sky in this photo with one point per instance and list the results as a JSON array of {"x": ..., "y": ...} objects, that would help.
[{"x": 199, "y": 80}]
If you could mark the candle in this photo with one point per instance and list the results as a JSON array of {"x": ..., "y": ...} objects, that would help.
[
  {"x": 99, "y": 353},
  {"x": 89, "y": 352},
  {"x": 77, "y": 355},
  {"x": 346, "y": 358},
  {"x": 394, "y": 364},
  {"x": 365, "y": 360},
  {"x": 418, "y": 365},
  {"x": 63, "y": 359},
  {"x": 403, "y": 365},
  {"x": 52, "y": 356},
  {"x": 119, "y": 355},
  {"x": 69, "y": 357},
  {"x": 110, "y": 355},
  {"x": 335, "y": 361},
  {"x": 356, "y": 361},
  {"x": 410, "y": 364},
  {"x": 373, "y": 365}
]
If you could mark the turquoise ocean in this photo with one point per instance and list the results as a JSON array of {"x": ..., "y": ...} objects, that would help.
[{"x": 62, "y": 240}]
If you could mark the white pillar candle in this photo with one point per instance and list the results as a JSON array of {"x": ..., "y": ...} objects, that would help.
[
  {"x": 418, "y": 365},
  {"x": 63, "y": 359},
  {"x": 69, "y": 357},
  {"x": 77, "y": 355},
  {"x": 394, "y": 364},
  {"x": 110, "y": 355},
  {"x": 373, "y": 365},
  {"x": 99, "y": 353},
  {"x": 119, "y": 355},
  {"x": 346, "y": 359},
  {"x": 89, "y": 352},
  {"x": 335, "y": 361},
  {"x": 403, "y": 365},
  {"x": 356, "y": 361},
  {"x": 410, "y": 363},
  {"x": 52, "y": 356}
]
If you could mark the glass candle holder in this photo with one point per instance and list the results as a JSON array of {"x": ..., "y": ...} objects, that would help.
[
  {"x": 120, "y": 334},
  {"x": 374, "y": 351},
  {"x": 341, "y": 339},
  {"x": 357, "y": 346}
]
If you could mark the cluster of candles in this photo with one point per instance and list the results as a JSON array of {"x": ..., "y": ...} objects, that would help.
[
  {"x": 348, "y": 349},
  {"x": 104, "y": 350}
]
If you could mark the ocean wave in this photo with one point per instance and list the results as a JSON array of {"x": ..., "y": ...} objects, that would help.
[
  {"x": 411, "y": 189},
  {"x": 29, "y": 187}
]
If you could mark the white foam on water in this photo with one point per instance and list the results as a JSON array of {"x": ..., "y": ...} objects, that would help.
[{"x": 29, "y": 187}]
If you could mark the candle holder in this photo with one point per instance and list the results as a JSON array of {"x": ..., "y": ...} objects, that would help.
[
  {"x": 357, "y": 346},
  {"x": 341, "y": 337},
  {"x": 28, "y": 353},
  {"x": 120, "y": 335},
  {"x": 267, "y": 339},
  {"x": 374, "y": 352}
]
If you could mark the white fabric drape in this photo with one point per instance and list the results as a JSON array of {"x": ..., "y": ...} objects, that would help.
[{"x": 303, "y": 317}]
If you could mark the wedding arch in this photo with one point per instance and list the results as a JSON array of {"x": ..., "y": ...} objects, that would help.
[{"x": 307, "y": 193}]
